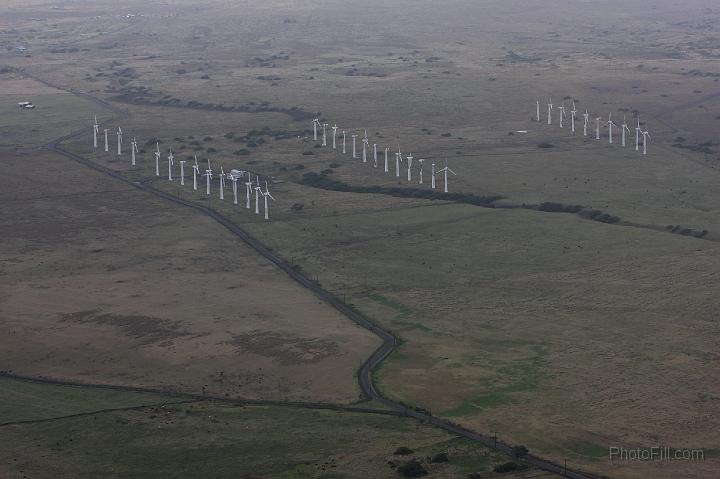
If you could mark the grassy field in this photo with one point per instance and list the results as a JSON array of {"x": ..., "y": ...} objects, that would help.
[
  {"x": 206, "y": 438},
  {"x": 560, "y": 333}
]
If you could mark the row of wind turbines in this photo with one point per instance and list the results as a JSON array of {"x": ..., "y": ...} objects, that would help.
[
  {"x": 234, "y": 176},
  {"x": 399, "y": 159},
  {"x": 586, "y": 119}
]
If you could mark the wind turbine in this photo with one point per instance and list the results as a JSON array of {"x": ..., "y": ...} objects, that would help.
[
  {"x": 170, "y": 164},
  {"x": 182, "y": 172},
  {"x": 637, "y": 135},
  {"x": 432, "y": 180},
  {"x": 258, "y": 190},
  {"x": 573, "y": 114},
  {"x": 537, "y": 115},
  {"x": 266, "y": 195},
  {"x": 446, "y": 170},
  {"x": 375, "y": 154},
  {"x": 550, "y": 107},
  {"x": 133, "y": 150},
  {"x": 610, "y": 127},
  {"x": 157, "y": 159},
  {"x": 208, "y": 177},
  {"x": 646, "y": 135},
  {"x": 562, "y": 114},
  {"x": 119, "y": 141},
  {"x": 96, "y": 130},
  {"x": 316, "y": 122},
  {"x": 324, "y": 142},
  {"x": 354, "y": 154},
  {"x": 196, "y": 172},
  {"x": 334, "y": 129},
  {"x": 398, "y": 156},
  {"x": 107, "y": 146},
  {"x": 624, "y": 128},
  {"x": 409, "y": 166},
  {"x": 365, "y": 144},
  {"x": 597, "y": 128},
  {"x": 421, "y": 161},
  {"x": 248, "y": 188},
  {"x": 586, "y": 117},
  {"x": 221, "y": 176},
  {"x": 234, "y": 178},
  {"x": 386, "y": 160},
  {"x": 344, "y": 152}
]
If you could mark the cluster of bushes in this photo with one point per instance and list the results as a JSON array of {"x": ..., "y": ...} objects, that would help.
[
  {"x": 586, "y": 213},
  {"x": 677, "y": 229},
  {"x": 322, "y": 181}
]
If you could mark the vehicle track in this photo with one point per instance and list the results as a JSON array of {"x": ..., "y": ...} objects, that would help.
[{"x": 389, "y": 341}]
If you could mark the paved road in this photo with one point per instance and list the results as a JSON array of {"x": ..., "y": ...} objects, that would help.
[{"x": 389, "y": 341}]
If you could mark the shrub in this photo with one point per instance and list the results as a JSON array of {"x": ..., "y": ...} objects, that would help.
[
  {"x": 505, "y": 467},
  {"x": 545, "y": 144},
  {"x": 412, "y": 469},
  {"x": 403, "y": 451},
  {"x": 519, "y": 451},
  {"x": 440, "y": 457},
  {"x": 308, "y": 153}
]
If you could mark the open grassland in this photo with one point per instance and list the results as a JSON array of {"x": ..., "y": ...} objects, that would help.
[
  {"x": 563, "y": 334},
  {"x": 204, "y": 439}
]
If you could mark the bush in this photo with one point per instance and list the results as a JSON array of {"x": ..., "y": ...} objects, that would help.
[
  {"x": 403, "y": 451},
  {"x": 506, "y": 467},
  {"x": 519, "y": 451},
  {"x": 440, "y": 457},
  {"x": 546, "y": 145},
  {"x": 412, "y": 469}
]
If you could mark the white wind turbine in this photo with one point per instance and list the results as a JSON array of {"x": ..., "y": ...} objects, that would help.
[
  {"x": 637, "y": 135},
  {"x": 196, "y": 172},
  {"x": 119, "y": 141},
  {"x": 586, "y": 117},
  {"x": 645, "y": 135},
  {"x": 409, "y": 166},
  {"x": 107, "y": 146},
  {"x": 386, "y": 160},
  {"x": 446, "y": 170},
  {"x": 234, "y": 178},
  {"x": 398, "y": 158},
  {"x": 133, "y": 150},
  {"x": 375, "y": 154},
  {"x": 208, "y": 177},
  {"x": 96, "y": 130},
  {"x": 550, "y": 107},
  {"x": 597, "y": 128},
  {"x": 170, "y": 164},
  {"x": 354, "y": 155},
  {"x": 537, "y": 115},
  {"x": 316, "y": 123},
  {"x": 421, "y": 161},
  {"x": 258, "y": 190},
  {"x": 266, "y": 194},
  {"x": 573, "y": 115},
  {"x": 157, "y": 159},
  {"x": 624, "y": 128},
  {"x": 365, "y": 143},
  {"x": 344, "y": 152},
  {"x": 324, "y": 142},
  {"x": 561, "y": 108},
  {"x": 222, "y": 182},
  {"x": 248, "y": 189},
  {"x": 432, "y": 175},
  {"x": 182, "y": 172},
  {"x": 610, "y": 127},
  {"x": 334, "y": 129}
]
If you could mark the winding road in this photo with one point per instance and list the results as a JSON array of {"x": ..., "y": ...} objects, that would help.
[{"x": 365, "y": 373}]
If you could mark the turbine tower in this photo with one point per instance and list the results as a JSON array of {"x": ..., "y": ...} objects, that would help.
[
  {"x": 386, "y": 160},
  {"x": 324, "y": 142},
  {"x": 316, "y": 122},
  {"x": 421, "y": 161},
  {"x": 170, "y": 164},
  {"x": 637, "y": 135},
  {"x": 96, "y": 130},
  {"x": 221, "y": 176},
  {"x": 562, "y": 114},
  {"x": 537, "y": 115},
  {"x": 248, "y": 189},
  {"x": 550, "y": 107},
  {"x": 624, "y": 129},
  {"x": 375, "y": 155},
  {"x": 365, "y": 144},
  {"x": 573, "y": 115},
  {"x": 119, "y": 141},
  {"x": 334, "y": 129},
  {"x": 208, "y": 177},
  {"x": 597, "y": 128},
  {"x": 258, "y": 190},
  {"x": 586, "y": 117},
  {"x": 267, "y": 195},
  {"x": 107, "y": 146},
  {"x": 354, "y": 152},
  {"x": 610, "y": 127},
  {"x": 344, "y": 152},
  {"x": 432, "y": 177},
  {"x": 196, "y": 172},
  {"x": 645, "y": 135},
  {"x": 446, "y": 170},
  {"x": 133, "y": 150},
  {"x": 182, "y": 172},
  {"x": 398, "y": 156},
  {"x": 409, "y": 166},
  {"x": 157, "y": 159},
  {"x": 234, "y": 179}
]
